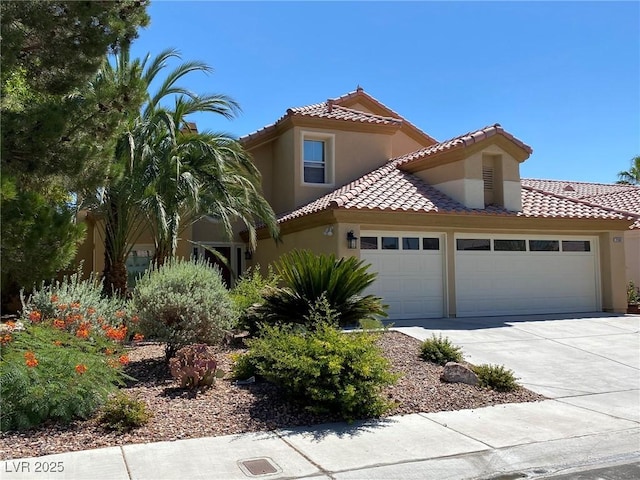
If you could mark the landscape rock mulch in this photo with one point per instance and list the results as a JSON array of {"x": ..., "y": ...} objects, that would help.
[{"x": 227, "y": 408}]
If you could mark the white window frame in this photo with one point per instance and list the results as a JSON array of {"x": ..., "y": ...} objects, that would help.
[{"x": 329, "y": 155}]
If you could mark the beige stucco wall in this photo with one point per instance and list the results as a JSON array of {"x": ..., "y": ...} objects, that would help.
[
  {"x": 263, "y": 159},
  {"x": 632, "y": 256},
  {"x": 283, "y": 174},
  {"x": 354, "y": 154},
  {"x": 612, "y": 271},
  {"x": 312, "y": 239}
]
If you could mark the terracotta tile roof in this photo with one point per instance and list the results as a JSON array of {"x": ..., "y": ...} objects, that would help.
[
  {"x": 332, "y": 109},
  {"x": 328, "y": 109},
  {"x": 577, "y": 189},
  {"x": 622, "y": 198},
  {"x": 462, "y": 141},
  {"x": 390, "y": 189}
]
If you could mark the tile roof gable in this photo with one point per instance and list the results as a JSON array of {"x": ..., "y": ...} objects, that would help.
[
  {"x": 339, "y": 109},
  {"x": 462, "y": 141}
]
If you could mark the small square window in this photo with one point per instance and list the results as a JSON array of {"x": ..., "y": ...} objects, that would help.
[
  {"x": 368, "y": 243},
  {"x": 473, "y": 244},
  {"x": 576, "y": 246},
  {"x": 410, "y": 243},
  {"x": 509, "y": 245},
  {"x": 544, "y": 246},
  {"x": 431, "y": 244},
  {"x": 390, "y": 243}
]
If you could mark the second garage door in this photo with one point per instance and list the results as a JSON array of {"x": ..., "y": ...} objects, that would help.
[
  {"x": 410, "y": 272},
  {"x": 510, "y": 276}
]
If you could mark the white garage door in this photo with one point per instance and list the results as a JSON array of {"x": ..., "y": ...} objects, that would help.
[
  {"x": 410, "y": 272},
  {"x": 503, "y": 276}
]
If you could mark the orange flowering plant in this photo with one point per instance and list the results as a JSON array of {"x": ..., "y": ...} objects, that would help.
[
  {"x": 78, "y": 306},
  {"x": 48, "y": 373}
]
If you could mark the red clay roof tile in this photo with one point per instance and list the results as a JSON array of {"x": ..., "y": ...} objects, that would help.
[{"x": 390, "y": 189}]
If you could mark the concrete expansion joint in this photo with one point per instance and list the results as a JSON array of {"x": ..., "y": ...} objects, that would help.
[
  {"x": 124, "y": 460},
  {"x": 322, "y": 470},
  {"x": 617, "y": 417}
]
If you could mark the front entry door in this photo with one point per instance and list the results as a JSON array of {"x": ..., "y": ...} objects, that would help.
[{"x": 224, "y": 270}]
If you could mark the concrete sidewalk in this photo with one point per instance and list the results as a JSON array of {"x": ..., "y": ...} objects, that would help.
[{"x": 588, "y": 366}]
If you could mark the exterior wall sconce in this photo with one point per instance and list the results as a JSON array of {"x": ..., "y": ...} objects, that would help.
[
  {"x": 248, "y": 254},
  {"x": 352, "y": 240}
]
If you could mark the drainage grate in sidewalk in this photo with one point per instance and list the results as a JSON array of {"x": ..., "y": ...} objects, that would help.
[{"x": 256, "y": 467}]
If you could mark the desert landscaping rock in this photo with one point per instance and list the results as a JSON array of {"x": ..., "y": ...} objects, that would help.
[
  {"x": 227, "y": 408},
  {"x": 458, "y": 373}
]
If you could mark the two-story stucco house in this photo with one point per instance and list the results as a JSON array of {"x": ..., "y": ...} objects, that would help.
[{"x": 450, "y": 227}]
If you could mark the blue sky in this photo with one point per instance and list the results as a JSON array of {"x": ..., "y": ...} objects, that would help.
[{"x": 562, "y": 77}]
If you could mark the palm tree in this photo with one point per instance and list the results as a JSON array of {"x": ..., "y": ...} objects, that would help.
[
  {"x": 202, "y": 174},
  {"x": 172, "y": 176},
  {"x": 631, "y": 176}
]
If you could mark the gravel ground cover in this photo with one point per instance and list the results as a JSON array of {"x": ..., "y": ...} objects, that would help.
[{"x": 227, "y": 408}]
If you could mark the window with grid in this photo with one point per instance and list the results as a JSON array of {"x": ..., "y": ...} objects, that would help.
[{"x": 314, "y": 161}]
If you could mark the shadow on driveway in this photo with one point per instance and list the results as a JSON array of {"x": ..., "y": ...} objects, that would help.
[{"x": 480, "y": 323}]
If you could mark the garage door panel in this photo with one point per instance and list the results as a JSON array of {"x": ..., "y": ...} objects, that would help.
[
  {"x": 503, "y": 283},
  {"x": 410, "y": 282}
]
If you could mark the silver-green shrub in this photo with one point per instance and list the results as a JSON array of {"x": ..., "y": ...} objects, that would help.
[{"x": 183, "y": 302}]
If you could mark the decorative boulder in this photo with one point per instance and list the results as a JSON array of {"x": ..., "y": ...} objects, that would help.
[{"x": 458, "y": 373}]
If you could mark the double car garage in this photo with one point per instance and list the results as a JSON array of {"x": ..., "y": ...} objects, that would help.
[{"x": 428, "y": 275}]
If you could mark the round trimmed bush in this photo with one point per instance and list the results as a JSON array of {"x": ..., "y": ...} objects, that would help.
[{"x": 183, "y": 302}]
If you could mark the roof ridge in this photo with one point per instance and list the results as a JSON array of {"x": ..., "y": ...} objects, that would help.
[
  {"x": 580, "y": 201},
  {"x": 361, "y": 91},
  {"x": 583, "y": 182},
  {"x": 465, "y": 139}
]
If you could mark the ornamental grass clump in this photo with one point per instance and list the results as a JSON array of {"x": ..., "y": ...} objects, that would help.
[
  {"x": 183, "y": 302},
  {"x": 47, "y": 374},
  {"x": 324, "y": 369},
  {"x": 440, "y": 350}
]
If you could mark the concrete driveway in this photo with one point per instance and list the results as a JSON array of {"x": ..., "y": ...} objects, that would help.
[{"x": 590, "y": 360}]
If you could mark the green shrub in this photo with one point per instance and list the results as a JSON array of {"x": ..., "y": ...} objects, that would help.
[
  {"x": 496, "y": 377},
  {"x": 122, "y": 413},
  {"x": 308, "y": 276},
  {"x": 244, "y": 366},
  {"x": 183, "y": 302},
  {"x": 194, "y": 366},
  {"x": 78, "y": 307},
  {"x": 326, "y": 370},
  {"x": 249, "y": 292},
  {"x": 49, "y": 374},
  {"x": 633, "y": 294},
  {"x": 440, "y": 350}
]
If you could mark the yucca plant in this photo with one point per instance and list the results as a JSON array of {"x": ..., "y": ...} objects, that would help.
[{"x": 307, "y": 276}]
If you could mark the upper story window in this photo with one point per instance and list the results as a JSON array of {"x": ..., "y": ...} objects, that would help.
[
  {"x": 317, "y": 158},
  {"x": 314, "y": 161}
]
